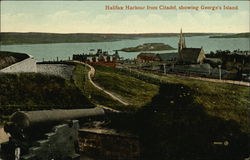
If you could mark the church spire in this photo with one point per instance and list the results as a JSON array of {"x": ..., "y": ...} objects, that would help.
[{"x": 181, "y": 44}]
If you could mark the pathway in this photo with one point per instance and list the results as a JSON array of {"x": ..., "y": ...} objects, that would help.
[
  {"x": 91, "y": 74},
  {"x": 241, "y": 83},
  {"x": 222, "y": 81}
]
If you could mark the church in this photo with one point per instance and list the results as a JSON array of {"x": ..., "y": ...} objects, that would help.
[{"x": 189, "y": 55}]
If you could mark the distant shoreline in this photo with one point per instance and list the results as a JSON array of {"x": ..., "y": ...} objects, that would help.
[
  {"x": 9, "y": 44},
  {"x": 239, "y": 35},
  {"x": 17, "y": 38}
]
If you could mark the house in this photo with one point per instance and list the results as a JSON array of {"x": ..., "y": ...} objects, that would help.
[
  {"x": 193, "y": 55},
  {"x": 100, "y": 57},
  {"x": 166, "y": 57},
  {"x": 147, "y": 57}
]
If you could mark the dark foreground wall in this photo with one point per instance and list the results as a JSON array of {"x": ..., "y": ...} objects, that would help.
[{"x": 108, "y": 146}]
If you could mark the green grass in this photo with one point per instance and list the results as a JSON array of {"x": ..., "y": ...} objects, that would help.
[
  {"x": 134, "y": 91},
  {"x": 34, "y": 91},
  {"x": 175, "y": 117},
  {"x": 185, "y": 117},
  {"x": 95, "y": 95},
  {"x": 226, "y": 101},
  {"x": 183, "y": 128}
]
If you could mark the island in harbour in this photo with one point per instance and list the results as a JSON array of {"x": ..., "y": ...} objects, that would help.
[{"x": 149, "y": 47}]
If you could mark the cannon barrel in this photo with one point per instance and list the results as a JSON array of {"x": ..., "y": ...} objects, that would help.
[{"x": 29, "y": 118}]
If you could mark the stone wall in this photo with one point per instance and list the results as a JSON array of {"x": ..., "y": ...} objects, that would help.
[
  {"x": 26, "y": 65},
  {"x": 62, "y": 70}
]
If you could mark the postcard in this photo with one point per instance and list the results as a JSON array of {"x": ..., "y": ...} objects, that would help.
[{"x": 124, "y": 80}]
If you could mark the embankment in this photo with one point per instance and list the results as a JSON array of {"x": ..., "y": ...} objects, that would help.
[
  {"x": 26, "y": 65},
  {"x": 62, "y": 70}
]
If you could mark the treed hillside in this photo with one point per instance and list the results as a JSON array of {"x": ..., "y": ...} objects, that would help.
[
  {"x": 36, "y": 38},
  {"x": 239, "y": 35}
]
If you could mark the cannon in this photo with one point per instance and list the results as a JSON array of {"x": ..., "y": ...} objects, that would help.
[{"x": 45, "y": 134}]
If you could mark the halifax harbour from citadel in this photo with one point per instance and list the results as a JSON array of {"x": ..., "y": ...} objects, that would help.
[{"x": 115, "y": 80}]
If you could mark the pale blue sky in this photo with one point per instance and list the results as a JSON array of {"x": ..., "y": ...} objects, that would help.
[{"x": 91, "y": 17}]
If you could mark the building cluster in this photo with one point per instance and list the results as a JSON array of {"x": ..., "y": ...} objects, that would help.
[
  {"x": 191, "y": 61},
  {"x": 153, "y": 57},
  {"x": 189, "y": 55},
  {"x": 184, "y": 56},
  {"x": 100, "y": 57},
  {"x": 239, "y": 52}
]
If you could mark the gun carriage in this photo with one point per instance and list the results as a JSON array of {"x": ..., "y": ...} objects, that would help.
[{"x": 45, "y": 134}]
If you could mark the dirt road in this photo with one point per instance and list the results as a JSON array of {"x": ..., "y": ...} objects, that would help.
[{"x": 91, "y": 74}]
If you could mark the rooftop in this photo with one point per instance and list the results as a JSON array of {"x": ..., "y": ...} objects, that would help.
[{"x": 190, "y": 54}]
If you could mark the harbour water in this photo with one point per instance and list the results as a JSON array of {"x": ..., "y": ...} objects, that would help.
[{"x": 65, "y": 50}]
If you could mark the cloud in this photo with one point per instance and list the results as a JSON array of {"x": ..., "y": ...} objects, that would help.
[
  {"x": 13, "y": 18},
  {"x": 66, "y": 21},
  {"x": 68, "y": 16},
  {"x": 214, "y": 21}
]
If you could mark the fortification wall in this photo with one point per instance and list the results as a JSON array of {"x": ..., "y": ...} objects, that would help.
[
  {"x": 62, "y": 70},
  {"x": 26, "y": 65}
]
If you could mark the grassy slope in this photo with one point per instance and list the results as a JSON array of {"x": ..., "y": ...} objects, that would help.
[
  {"x": 96, "y": 96},
  {"x": 222, "y": 100},
  {"x": 31, "y": 91},
  {"x": 181, "y": 127},
  {"x": 134, "y": 91},
  {"x": 184, "y": 116}
]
